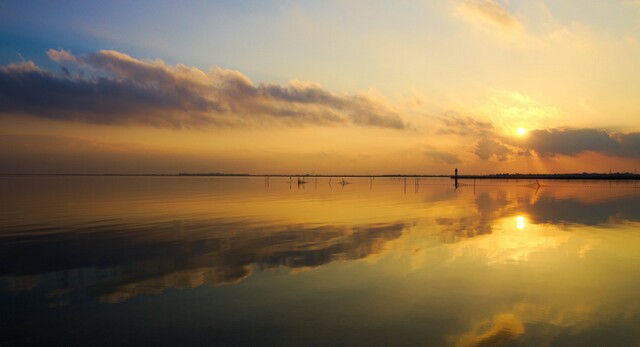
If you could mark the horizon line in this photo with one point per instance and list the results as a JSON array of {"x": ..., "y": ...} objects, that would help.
[{"x": 566, "y": 175}]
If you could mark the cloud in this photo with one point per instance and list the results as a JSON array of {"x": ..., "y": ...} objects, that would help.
[
  {"x": 489, "y": 12},
  {"x": 60, "y": 55},
  {"x": 558, "y": 141},
  {"x": 489, "y": 143},
  {"x": 120, "y": 89},
  {"x": 571, "y": 142},
  {"x": 487, "y": 148},
  {"x": 454, "y": 124},
  {"x": 506, "y": 108},
  {"x": 633, "y": 2},
  {"x": 446, "y": 157},
  {"x": 25, "y": 66}
]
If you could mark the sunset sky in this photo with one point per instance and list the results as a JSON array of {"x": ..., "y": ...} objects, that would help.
[{"x": 328, "y": 87}]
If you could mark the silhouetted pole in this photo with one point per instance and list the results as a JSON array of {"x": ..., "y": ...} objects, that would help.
[{"x": 455, "y": 177}]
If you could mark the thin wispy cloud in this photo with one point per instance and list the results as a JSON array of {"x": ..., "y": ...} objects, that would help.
[
  {"x": 487, "y": 148},
  {"x": 111, "y": 87},
  {"x": 489, "y": 12},
  {"x": 60, "y": 55},
  {"x": 454, "y": 124},
  {"x": 442, "y": 156},
  {"x": 633, "y": 2}
]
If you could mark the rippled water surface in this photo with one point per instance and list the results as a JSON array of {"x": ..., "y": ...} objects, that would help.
[{"x": 250, "y": 261}]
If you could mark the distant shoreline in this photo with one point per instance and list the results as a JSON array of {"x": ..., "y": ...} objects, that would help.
[{"x": 563, "y": 176}]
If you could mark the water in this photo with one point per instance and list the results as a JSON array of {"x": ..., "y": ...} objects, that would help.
[{"x": 242, "y": 261}]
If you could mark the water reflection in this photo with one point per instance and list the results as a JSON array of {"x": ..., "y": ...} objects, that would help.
[
  {"x": 118, "y": 261},
  {"x": 367, "y": 264},
  {"x": 501, "y": 330},
  {"x": 595, "y": 206}
]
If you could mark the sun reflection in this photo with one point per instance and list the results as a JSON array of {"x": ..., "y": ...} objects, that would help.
[{"x": 520, "y": 222}]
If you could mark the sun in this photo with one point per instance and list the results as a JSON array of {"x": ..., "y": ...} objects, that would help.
[
  {"x": 520, "y": 222},
  {"x": 521, "y": 131}
]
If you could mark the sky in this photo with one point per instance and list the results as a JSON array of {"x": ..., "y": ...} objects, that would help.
[{"x": 325, "y": 87}]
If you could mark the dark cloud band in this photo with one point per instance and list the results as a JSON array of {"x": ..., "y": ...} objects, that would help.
[
  {"x": 114, "y": 88},
  {"x": 550, "y": 142},
  {"x": 491, "y": 144}
]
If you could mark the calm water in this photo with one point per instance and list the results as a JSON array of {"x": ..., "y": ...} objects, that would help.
[{"x": 237, "y": 261}]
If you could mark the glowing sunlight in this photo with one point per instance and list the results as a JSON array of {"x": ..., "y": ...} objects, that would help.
[{"x": 520, "y": 222}]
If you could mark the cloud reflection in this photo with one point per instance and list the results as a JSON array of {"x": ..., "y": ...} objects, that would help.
[
  {"x": 502, "y": 330},
  {"x": 504, "y": 226},
  {"x": 547, "y": 206},
  {"x": 118, "y": 261}
]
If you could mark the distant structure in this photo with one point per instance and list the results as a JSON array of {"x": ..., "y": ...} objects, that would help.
[{"x": 455, "y": 177}]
